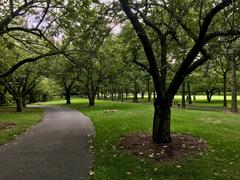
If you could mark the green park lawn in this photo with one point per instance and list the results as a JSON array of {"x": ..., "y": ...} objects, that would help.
[
  {"x": 21, "y": 121},
  {"x": 201, "y": 101},
  {"x": 221, "y": 130}
]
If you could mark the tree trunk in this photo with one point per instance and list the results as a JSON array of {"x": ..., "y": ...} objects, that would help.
[
  {"x": 135, "y": 93},
  {"x": 112, "y": 96},
  {"x": 189, "y": 93},
  {"x": 161, "y": 122},
  {"x": 149, "y": 96},
  {"x": 3, "y": 97},
  {"x": 183, "y": 95},
  {"x": 234, "y": 86},
  {"x": 142, "y": 95},
  {"x": 19, "y": 104},
  {"x": 24, "y": 102},
  {"x": 148, "y": 90},
  {"x": 208, "y": 96},
  {"x": 135, "y": 97},
  {"x": 68, "y": 96},
  {"x": 126, "y": 91},
  {"x": 225, "y": 89},
  {"x": 68, "y": 99},
  {"x": 91, "y": 100}
]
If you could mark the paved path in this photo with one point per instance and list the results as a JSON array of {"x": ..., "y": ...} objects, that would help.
[{"x": 55, "y": 149}]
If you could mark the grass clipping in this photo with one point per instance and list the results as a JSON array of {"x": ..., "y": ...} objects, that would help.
[{"x": 141, "y": 145}]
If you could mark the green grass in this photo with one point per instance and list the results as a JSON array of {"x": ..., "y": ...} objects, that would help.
[
  {"x": 23, "y": 121},
  {"x": 201, "y": 101},
  {"x": 221, "y": 130}
]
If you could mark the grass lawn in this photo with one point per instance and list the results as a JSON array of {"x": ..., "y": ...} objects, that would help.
[
  {"x": 23, "y": 121},
  {"x": 201, "y": 101},
  {"x": 221, "y": 130}
]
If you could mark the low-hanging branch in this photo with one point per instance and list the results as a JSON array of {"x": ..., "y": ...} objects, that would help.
[{"x": 27, "y": 60}]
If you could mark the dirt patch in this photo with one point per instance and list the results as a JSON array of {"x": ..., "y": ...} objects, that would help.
[
  {"x": 7, "y": 125},
  {"x": 141, "y": 145}
]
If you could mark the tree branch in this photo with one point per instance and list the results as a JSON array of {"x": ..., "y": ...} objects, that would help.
[{"x": 24, "y": 61}]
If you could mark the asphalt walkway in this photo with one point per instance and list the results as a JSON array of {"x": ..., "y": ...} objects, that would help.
[{"x": 55, "y": 149}]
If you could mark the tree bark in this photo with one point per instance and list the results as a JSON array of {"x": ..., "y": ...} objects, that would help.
[
  {"x": 135, "y": 97},
  {"x": 3, "y": 96},
  {"x": 189, "y": 93},
  {"x": 24, "y": 102},
  {"x": 91, "y": 100},
  {"x": 19, "y": 104},
  {"x": 161, "y": 121},
  {"x": 183, "y": 95},
  {"x": 68, "y": 97},
  {"x": 148, "y": 90},
  {"x": 209, "y": 95},
  {"x": 225, "y": 89},
  {"x": 234, "y": 86}
]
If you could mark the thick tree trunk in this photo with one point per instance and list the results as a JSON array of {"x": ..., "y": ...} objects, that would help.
[
  {"x": 91, "y": 100},
  {"x": 183, "y": 95},
  {"x": 189, "y": 93},
  {"x": 3, "y": 96},
  {"x": 19, "y": 104},
  {"x": 225, "y": 89},
  {"x": 24, "y": 102},
  {"x": 68, "y": 95},
  {"x": 135, "y": 97},
  {"x": 142, "y": 95},
  {"x": 234, "y": 86},
  {"x": 208, "y": 96},
  {"x": 161, "y": 122},
  {"x": 68, "y": 98}
]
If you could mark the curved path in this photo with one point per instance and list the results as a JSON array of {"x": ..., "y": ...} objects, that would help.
[{"x": 55, "y": 149}]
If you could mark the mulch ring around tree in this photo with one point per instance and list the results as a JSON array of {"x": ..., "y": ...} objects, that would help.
[
  {"x": 7, "y": 125},
  {"x": 182, "y": 145}
]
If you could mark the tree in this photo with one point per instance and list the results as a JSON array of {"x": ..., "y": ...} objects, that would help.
[
  {"x": 172, "y": 19},
  {"x": 3, "y": 92},
  {"x": 222, "y": 66},
  {"x": 66, "y": 74},
  {"x": 30, "y": 18},
  {"x": 234, "y": 58},
  {"x": 21, "y": 83}
]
